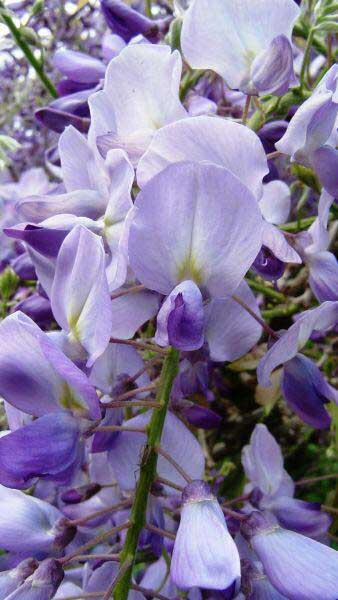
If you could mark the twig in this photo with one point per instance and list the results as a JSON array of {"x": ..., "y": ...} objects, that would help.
[
  {"x": 133, "y": 403},
  {"x": 132, "y": 290},
  {"x": 266, "y": 291},
  {"x": 246, "y": 109},
  {"x": 101, "y": 428},
  {"x": 107, "y": 557},
  {"x": 281, "y": 311},
  {"x": 160, "y": 531},
  {"x": 173, "y": 462},
  {"x": 145, "y": 388},
  {"x": 175, "y": 486},
  {"x": 329, "y": 509},
  {"x": 150, "y": 363},
  {"x": 126, "y": 565},
  {"x": 274, "y": 154},
  {"x": 311, "y": 480},
  {"x": 99, "y": 513},
  {"x": 242, "y": 498},
  {"x": 93, "y": 542},
  {"x": 148, "y": 592},
  {"x": 141, "y": 345},
  {"x": 259, "y": 320}
]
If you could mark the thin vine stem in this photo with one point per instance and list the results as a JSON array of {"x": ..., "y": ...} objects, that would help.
[
  {"x": 22, "y": 44},
  {"x": 259, "y": 320},
  {"x": 147, "y": 476}
]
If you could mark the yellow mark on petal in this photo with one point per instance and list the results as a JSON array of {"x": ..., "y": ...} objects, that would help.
[
  {"x": 68, "y": 399},
  {"x": 189, "y": 270},
  {"x": 73, "y": 326}
]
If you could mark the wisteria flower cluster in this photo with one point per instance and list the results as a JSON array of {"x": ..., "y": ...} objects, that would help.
[{"x": 169, "y": 302}]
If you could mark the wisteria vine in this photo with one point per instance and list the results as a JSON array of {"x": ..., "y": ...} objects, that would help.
[{"x": 169, "y": 300}]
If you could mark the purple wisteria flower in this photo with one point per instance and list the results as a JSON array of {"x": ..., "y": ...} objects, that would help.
[
  {"x": 311, "y": 137},
  {"x": 297, "y": 566},
  {"x": 128, "y": 111},
  {"x": 249, "y": 45},
  {"x": 204, "y": 554},
  {"x": 303, "y": 386},
  {"x": 272, "y": 488},
  {"x": 238, "y": 149},
  {"x": 166, "y": 260},
  {"x": 221, "y": 235}
]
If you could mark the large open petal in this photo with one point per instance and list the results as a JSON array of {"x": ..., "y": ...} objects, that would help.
[
  {"x": 198, "y": 222},
  {"x": 238, "y": 332},
  {"x": 140, "y": 93},
  {"x": 263, "y": 461},
  {"x": 299, "y": 567},
  {"x": 207, "y": 139},
  {"x": 225, "y": 36}
]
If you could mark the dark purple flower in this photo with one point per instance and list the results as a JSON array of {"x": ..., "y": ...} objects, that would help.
[{"x": 127, "y": 22}]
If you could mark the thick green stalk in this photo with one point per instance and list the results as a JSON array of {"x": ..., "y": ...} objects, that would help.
[
  {"x": 281, "y": 311},
  {"x": 21, "y": 42},
  {"x": 148, "y": 10},
  {"x": 147, "y": 474},
  {"x": 266, "y": 291},
  {"x": 189, "y": 80},
  {"x": 306, "y": 58},
  {"x": 294, "y": 226}
]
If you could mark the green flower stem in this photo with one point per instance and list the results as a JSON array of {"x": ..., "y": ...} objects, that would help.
[
  {"x": 21, "y": 42},
  {"x": 266, "y": 291},
  {"x": 306, "y": 58},
  {"x": 295, "y": 226},
  {"x": 147, "y": 474},
  {"x": 189, "y": 80},
  {"x": 148, "y": 8},
  {"x": 281, "y": 311}
]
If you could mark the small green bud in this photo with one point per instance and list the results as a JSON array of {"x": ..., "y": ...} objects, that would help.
[
  {"x": 306, "y": 175},
  {"x": 7, "y": 144},
  {"x": 29, "y": 35},
  {"x": 174, "y": 34},
  {"x": 37, "y": 7},
  {"x": 9, "y": 281}
]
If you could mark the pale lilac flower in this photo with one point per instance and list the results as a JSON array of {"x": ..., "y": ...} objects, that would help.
[
  {"x": 80, "y": 296},
  {"x": 297, "y": 566},
  {"x": 194, "y": 226},
  {"x": 39, "y": 528},
  {"x": 128, "y": 111},
  {"x": 311, "y": 137},
  {"x": 248, "y": 44},
  {"x": 273, "y": 489},
  {"x": 303, "y": 386},
  {"x": 36, "y": 376},
  {"x": 205, "y": 554},
  {"x": 313, "y": 245}
]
